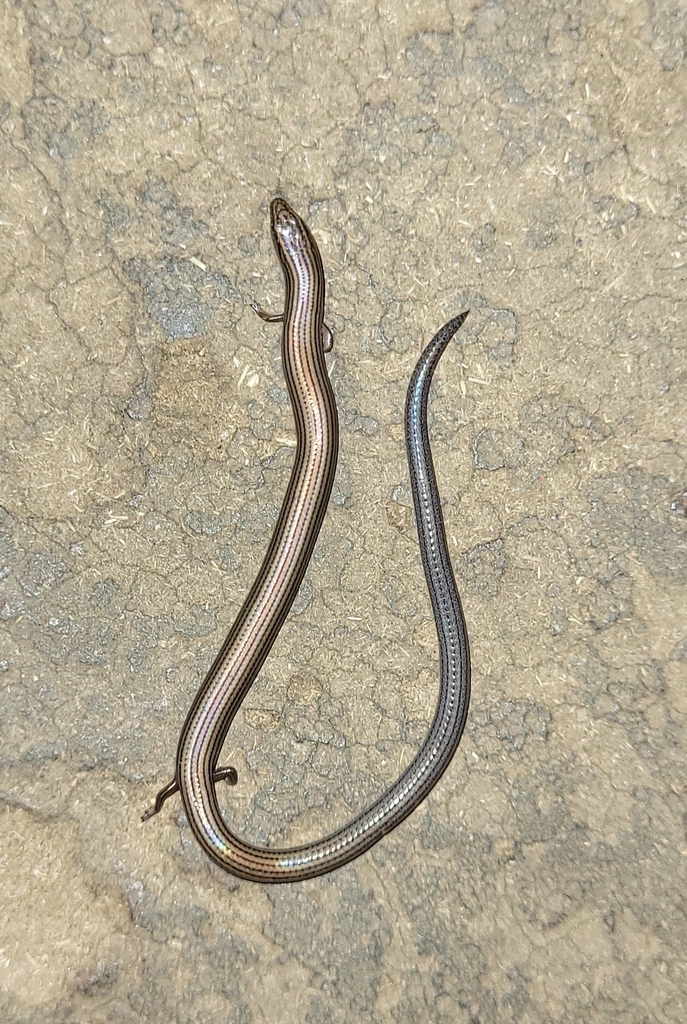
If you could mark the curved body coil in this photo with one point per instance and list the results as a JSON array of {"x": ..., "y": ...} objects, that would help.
[{"x": 304, "y": 341}]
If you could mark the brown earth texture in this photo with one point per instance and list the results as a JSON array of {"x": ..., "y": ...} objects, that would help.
[{"x": 523, "y": 159}]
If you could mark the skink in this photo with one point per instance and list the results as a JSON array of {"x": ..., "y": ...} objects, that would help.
[{"x": 305, "y": 339}]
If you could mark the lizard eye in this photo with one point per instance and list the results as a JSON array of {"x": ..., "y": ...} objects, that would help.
[{"x": 287, "y": 225}]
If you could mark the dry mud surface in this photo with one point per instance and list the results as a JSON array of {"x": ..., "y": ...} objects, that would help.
[{"x": 522, "y": 159}]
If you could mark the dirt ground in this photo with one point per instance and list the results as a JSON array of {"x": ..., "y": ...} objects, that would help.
[{"x": 525, "y": 160}]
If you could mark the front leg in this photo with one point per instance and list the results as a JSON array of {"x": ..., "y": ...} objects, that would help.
[
  {"x": 270, "y": 318},
  {"x": 278, "y": 318}
]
